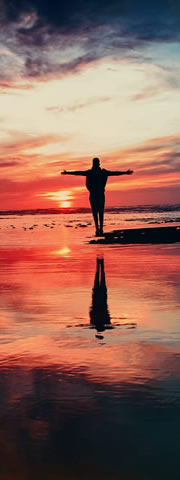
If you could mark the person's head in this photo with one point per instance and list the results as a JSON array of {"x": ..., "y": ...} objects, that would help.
[{"x": 96, "y": 162}]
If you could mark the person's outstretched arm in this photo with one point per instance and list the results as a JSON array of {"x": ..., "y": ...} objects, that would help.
[
  {"x": 118, "y": 172},
  {"x": 78, "y": 172}
]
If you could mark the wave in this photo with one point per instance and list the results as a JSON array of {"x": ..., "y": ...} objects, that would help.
[{"x": 121, "y": 209}]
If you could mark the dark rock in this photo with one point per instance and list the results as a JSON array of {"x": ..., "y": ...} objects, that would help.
[{"x": 141, "y": 235}]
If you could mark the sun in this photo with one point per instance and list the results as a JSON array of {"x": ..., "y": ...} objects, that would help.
[
  {"x": 65, "y": 198},
  {"x": 65, "y": 204}
]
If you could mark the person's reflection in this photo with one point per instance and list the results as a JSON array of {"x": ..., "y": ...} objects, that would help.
[{"x": 99, "y": 314}]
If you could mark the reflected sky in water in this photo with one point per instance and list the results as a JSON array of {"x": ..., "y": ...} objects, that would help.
[{"x": 89, "y": 358}]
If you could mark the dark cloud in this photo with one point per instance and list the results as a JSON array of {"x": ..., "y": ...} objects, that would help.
[
  {"x": 155, "y": 18},
  {"x": 43, "y": 31}
]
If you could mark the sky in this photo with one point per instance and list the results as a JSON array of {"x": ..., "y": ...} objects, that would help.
[{"x": 89, "y": 79}]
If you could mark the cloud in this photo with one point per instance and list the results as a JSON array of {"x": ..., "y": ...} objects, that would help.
[
  {"x": 58, "y": 37},
  {"x": 15, "y": 87},
  {"x": 148, "y": 93},
  {"x": 78, "y": 106},
  {"x": 12, "y": 163},
  {"x": 152, "y": 160},
  {"x": 22, "y": 143},
  {"x": 161, "y": 80},
  {"x": 20, "y": 153}
]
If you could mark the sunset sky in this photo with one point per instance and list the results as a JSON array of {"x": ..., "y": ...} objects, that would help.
[{"x": 83, "y": 79}]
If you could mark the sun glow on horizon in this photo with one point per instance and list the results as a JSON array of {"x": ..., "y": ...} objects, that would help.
[{"x": 64, "y": 198}]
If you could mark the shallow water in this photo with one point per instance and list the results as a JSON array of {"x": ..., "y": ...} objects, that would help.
[{"x": 89, "y": 355}]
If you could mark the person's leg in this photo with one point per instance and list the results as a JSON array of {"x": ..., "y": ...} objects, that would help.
[
  {"x": 101, "y": 215},
  {"x": 95, "y": 214},
  {"x": 101, "y": 219}
]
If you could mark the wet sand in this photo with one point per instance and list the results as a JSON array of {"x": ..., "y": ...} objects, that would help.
[{"x": 89, "y": 356}]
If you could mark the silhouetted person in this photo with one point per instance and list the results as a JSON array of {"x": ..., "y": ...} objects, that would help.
[
  {"x": 96, "y": 179},
  {"x": 99, "y": 314}
]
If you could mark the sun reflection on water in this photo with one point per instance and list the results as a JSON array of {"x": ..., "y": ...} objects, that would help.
[{"x": 65, "y": 251}]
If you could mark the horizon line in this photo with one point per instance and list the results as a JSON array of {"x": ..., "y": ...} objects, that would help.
[{"x": 59, "y": 210}]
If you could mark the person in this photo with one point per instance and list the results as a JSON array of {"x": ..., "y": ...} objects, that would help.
[{"x": 96, "y": 179}]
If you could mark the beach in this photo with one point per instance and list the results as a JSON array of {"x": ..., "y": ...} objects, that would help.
[{"x": 89, "y": 349}]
